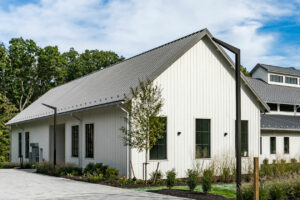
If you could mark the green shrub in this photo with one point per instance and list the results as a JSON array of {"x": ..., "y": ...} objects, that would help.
[
  {"x": 296, "y": 189},
  {"x": 276, "y": 192},
  {"x": 226, "y": 176},
  {"x": 45, "y": 168},
  {"x": 293, "y": 160},
  {"x": 111, "y": 174},
  {"x": 139, "y": 181},
  {"x": 68, "y": 168},
  {"x": 247, "y": 193},
  {"x": 159, "y": 175},
  {"x": 8, "y": 165},
  {"x": 192, "y": 179},
  {"x": 124, "y": 181},
  {"x": 95, "y": 178},
  {"x": 206, "y": 180},
  {"x": 171, "y": 178},
  {"x": 263, "y": 193},
  {"x": 266, "y": 161}
]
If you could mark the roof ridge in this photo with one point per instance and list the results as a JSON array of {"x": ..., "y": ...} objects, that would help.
[{"x": 109, "y": 66}]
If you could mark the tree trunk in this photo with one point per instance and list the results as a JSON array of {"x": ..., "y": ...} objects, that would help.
[{"x": 146, "y": 163}]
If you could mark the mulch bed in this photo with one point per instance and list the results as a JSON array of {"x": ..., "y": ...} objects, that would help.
[{"x": 189, "y": 194}]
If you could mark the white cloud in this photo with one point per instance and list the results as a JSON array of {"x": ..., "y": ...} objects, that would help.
[{"x": 129, "y": 27}]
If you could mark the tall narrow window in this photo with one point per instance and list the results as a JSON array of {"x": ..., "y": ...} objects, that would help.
[
  {"x": 27, "y": 144},
  {"x": 286, "y": 145},
  {"x": 244, "y": 133},
  {"x": 260, "y": 145},
  {"x": 89, "y": 140},
  {"x": 273, "y": 145},
  {"x": 75, "y": 141},
  {"x": 159, "y": 150},
  {"x": 202, "y": 138},
  {"x": 20, "y": 144}
]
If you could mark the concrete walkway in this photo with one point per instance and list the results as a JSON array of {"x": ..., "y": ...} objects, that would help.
[{"x": 18, "y": 184}]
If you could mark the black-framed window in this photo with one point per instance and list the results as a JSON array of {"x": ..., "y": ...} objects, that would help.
[
  {"x": 244, "y": 134},
  {"x": 20, "y": 144},
  {"x": 202, "y": 138},
  {"x": 75, "y": 141},
  {"x": 286, "y": 108},
  {"x": 291, "y": 80},
  {"x": 27, "y": 144},
  {"x": 260, "y": 145},
  {"x": 89, "y": 140},
  {"x": 273, "y": 145},
  {"x": 159, "y": 150},
  {"x": 286, "y": 145},
  {"x": 276, "y": 78},
  {"x": 273, "y": 106}
]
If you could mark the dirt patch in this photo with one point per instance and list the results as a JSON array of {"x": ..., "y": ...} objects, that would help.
[{"x": 190, "y": 194}]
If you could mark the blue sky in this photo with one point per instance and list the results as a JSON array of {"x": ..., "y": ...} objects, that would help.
[{"x": 266, "y": 31}]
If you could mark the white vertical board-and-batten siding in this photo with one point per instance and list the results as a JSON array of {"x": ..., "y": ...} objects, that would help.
[
  {"x": 294, "y": 145},
  {"x": 200, "y": 85},
  {"x": 108, "y": 144}
]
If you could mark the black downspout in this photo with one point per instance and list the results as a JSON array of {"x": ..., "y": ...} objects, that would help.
[
  {"x": 237, "y": 53},
  {"x": 54, "y": 131}
]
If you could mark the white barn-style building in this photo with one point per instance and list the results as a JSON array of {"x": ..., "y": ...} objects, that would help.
[
  {"x": 279, "y": 87},
  {"x": 198, "y": 88}
]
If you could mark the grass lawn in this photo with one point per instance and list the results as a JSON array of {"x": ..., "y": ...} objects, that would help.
[{"x": 226, "y": 190}]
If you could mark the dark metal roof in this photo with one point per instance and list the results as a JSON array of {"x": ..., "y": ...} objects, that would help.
[
  {"x": 112, "y": 83},
  {"x": 280, "y": 122},
  {"x": 277, "y": 69},
  {"x": 275, "y": 93}
]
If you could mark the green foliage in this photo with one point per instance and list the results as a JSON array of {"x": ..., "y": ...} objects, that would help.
[
  {"x": 247, "y": 193},
  {"x": 192, "y": 178},
  {"x": 171, "y": 178},
  {"x": 158, "y": 175},
  {"x": 64, "y": 169},
  {"x": 94, "y": 178},
  {"x": 9, "y": 165},
  {"x": 111, "y": 174},
  {"x": 226, "y": 175},
  {"x": 45, "y": 168},
  {"x": 276, "y": 192},
  {"x": 281, "y": 168},
  {"x": 245, "y": 71},
  {"x": 206, "y": 180},
  {"x": 144, "y": 106},
  {"x": 124, "y": 181},
  {"x": 7, "y": 111}
]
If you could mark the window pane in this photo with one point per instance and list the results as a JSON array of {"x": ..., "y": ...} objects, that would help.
[
  {"x": 202, "y": 138},
  {"x": 20, "y": 144},
  {"x": 273, "y": 145},
  {"x": 273, "y": 106},
  {"x": 276, "y": 78},
  {"x": 89, "y": 140},
  {"x": 159, "y": 150},
  {"x": 27, "y": 144},
  {"x": 291, "y": 80},
  {"x": 286, "y": 108},
  {"x": 244, "y": 134},
  {"x": 286, "y": 145},
  {"x": 75, "y": 141}
]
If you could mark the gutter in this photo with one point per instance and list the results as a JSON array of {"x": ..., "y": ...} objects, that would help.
[
  {"x": 128, "y": 175},
  {"x": 68, "y": 112},
  {"x": 80, "y": 139}
]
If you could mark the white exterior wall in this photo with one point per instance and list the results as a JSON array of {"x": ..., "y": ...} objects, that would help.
[
  {"x": 108, "y": 144},
  {"x": 294, "y": 146},
  {"x": 262, "y": 74},
  {"x": 38, "y": 133},
  {"x": 201, "y": 85}
]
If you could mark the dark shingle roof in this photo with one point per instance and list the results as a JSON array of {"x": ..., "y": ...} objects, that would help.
[
  {"x": 110, "y": 84},
  {"x": 277, "y": 69},
  {"x": 280, "y": 122},
  {"x": 275, "y": 93}
]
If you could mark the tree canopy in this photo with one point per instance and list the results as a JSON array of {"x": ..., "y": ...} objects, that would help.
[{"x": 27, "y": 71}]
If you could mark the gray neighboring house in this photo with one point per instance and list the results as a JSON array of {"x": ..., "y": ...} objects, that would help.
[{"x": 279, "y": 87}]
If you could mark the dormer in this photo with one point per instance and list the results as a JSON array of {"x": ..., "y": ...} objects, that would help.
[{"x": 285, "y": 76}]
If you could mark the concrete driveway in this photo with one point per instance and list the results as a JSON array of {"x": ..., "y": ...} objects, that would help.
[{"x": 18, "y": 184}]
